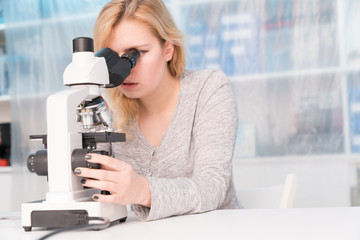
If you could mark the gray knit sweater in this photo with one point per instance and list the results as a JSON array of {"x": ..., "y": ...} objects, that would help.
[{"x": 191, "y": 169}]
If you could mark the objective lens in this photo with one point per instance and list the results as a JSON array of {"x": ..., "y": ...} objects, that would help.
[
  {"x": 104, "y": 115},
  {"x": 93, "y": 113},
  {"x": 87, "y": 118}
]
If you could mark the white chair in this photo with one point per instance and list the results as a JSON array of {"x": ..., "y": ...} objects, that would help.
[{"x": 280, "y": 196}]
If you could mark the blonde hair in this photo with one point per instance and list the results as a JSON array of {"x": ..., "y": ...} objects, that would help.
[{"x": 154, "y": 14}]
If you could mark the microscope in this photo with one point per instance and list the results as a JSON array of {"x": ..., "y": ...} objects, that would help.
[{"x": 77, "y": 120}]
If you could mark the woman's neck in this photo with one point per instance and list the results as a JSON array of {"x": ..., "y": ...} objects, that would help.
[{"x": 163, "y": 100}]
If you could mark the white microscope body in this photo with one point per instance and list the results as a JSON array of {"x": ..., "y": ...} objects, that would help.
[{"x": 66, "y": 195}]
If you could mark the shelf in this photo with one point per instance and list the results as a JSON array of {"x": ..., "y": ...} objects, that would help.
[
  {"x": 191, "y": 2},
  {"x": 292, "y": 74},
  {"x": 5, "y": 169},
  {"x": 51, "y": 21},
  {"x": 4, "y": 98},
  {"x": 349, "y": 158}
]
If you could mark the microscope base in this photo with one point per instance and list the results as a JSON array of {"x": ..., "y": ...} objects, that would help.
[{"x": 59, "y": 215}]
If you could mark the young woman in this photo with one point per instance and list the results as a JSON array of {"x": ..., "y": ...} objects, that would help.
[{"x": 181, "y": 125}]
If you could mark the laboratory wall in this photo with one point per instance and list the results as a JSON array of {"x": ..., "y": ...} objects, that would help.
[{"x": 294, "y": 67}]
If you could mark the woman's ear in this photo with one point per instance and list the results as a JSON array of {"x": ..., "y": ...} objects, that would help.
[{"x": 169, "y": 51}]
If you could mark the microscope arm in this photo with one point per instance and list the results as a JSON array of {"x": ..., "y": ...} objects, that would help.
[{"x": 62, "y": 139}]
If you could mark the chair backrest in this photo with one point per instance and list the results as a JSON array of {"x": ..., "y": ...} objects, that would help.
[{"x": 279, "y": 196}]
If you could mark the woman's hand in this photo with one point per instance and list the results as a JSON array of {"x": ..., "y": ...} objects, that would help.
[{"x": 117, "y": 177}]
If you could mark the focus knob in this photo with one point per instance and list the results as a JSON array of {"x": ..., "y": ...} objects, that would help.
[
  {"x": 37, "y": 163},
  {"x": 78, "y": 159}
]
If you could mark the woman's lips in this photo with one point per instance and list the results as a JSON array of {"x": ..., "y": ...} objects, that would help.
[{"x": 129, "y": 85}]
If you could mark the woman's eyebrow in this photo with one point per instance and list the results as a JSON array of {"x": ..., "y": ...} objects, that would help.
[{"x": 137, "y": 47}]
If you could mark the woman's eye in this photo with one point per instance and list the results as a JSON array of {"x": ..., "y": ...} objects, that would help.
[
  {"x": 142, "y": 52},
  {"x": 133, "y": 50}
]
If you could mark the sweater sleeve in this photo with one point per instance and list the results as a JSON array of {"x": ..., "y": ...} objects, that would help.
[{"x": 213, "y": 140}]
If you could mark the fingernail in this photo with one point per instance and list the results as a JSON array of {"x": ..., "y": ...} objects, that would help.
[
  {"x": 83, "y": 181},
  {"x": 77, "y": 171},
  {"x": 95, "y": 197},
  {"x": 87, "y": 157}
]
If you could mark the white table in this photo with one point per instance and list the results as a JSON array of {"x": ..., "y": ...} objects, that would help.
[{"x": 289, "y": 224}]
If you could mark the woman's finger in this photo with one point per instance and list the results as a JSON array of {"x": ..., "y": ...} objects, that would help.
[
  {"x": 101, "y": 174},
  {"x": 106, "y": 161},
  {"x": 107, "y": 168},
  {"x": 101, "y": 185},
  {"x": 106, "y": 198}
]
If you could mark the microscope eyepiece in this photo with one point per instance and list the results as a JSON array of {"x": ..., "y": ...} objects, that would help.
[
  {"x": 83, "y": 44},
  {"x": 131, "y": 56},
  {"x": 119, "y": 67}
]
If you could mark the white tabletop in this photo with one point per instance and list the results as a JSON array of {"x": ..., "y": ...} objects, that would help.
[{"x": 297, "y": 223}]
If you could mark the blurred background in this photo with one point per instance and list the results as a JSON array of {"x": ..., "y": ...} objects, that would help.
[{"x": 294, "y": 66}]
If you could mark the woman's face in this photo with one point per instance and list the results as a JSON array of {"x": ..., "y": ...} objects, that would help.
[{"x": 151, "y": 69}]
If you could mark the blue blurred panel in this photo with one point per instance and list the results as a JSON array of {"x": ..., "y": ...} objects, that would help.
[
  {"x": 219, "y": 36},
  {"x": 354, "y": 111},
  {"x": 240, "y": 41},
  {"x": 52, "y": 8}
]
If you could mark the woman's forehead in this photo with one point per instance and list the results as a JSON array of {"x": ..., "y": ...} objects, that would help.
[{"x": 129, "y": 34}]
